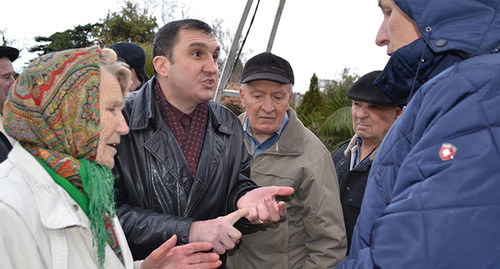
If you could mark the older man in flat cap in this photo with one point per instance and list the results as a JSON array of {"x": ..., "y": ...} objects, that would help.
[
  {"x": 372, "y": 116},
  {"x": 285, "y": 153},
  {"x": 7, "y": 56}
]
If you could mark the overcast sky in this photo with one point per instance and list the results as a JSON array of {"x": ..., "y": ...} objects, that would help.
[{"x": 315, "y": 36}]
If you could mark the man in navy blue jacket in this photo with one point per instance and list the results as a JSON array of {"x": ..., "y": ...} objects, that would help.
[{"x": 432, "y": 195}]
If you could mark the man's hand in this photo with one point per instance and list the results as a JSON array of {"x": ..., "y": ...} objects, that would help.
[
  {"x": 220, "y": 231},
  {"x": 262, "y": 205},
  {"x": 186, "y": 256}
]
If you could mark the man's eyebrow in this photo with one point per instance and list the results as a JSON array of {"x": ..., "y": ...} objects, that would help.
[
  {"x": 198, "y": 44},
  {"x": 202, "y": 45}
]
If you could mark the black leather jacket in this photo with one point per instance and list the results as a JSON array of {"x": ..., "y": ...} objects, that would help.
[{"x": 151, "y": 172}]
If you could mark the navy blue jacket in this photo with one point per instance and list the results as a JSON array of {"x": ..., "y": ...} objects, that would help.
[{"x": 432, "y": 197}]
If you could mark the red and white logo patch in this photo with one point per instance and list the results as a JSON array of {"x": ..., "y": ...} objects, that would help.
[{"x": 447, "y": 151}]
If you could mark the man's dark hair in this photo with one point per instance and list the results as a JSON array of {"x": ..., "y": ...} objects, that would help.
[{"x": 168, "y": 35}]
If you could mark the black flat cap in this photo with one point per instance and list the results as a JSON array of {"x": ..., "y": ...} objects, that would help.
[
  {"x": 365, "y": 91},
  {"x": 134, "y": 56},
  {"x": 267, "y": 66},
  {"x": 9, "y": 52}
]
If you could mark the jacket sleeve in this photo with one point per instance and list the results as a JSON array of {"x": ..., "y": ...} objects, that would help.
[
  {"x": 442, "y": 212},
  {"x": 322, "y": 213},
  {"x": 244, "y": 184}
]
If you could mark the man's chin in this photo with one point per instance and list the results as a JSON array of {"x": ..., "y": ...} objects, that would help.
[
  {"x": 265, "y": 130},
  {"x": 362, "y": 133},
  {"x": 208, "y": 96}
]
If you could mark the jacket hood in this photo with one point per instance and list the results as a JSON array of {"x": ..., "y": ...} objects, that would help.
[
  {"x": 470, "y": 26},
  {"x": 452, "y": 30}
]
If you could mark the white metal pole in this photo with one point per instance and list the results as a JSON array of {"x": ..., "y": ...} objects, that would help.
[
  {"x": 231, "y": 57},
  {"x": 275, "y": 25}
]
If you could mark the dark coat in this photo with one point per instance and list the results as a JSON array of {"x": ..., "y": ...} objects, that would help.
[
  {"x": 5, "y": 147},
  {"x": 154, "y": 202},
  {"x": 352, "y": 186}
]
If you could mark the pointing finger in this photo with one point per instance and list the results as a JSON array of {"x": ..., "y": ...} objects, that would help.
[{"x": 232, "y": 218}]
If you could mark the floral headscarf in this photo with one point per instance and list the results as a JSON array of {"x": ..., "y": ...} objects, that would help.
[{"x": 53, "y": 111}]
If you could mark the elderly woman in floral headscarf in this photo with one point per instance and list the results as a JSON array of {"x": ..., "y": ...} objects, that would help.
[{"x": 56, "y": 188}]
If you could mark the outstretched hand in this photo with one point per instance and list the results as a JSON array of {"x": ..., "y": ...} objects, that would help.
[
  {"x": 192, "y": 256},
  {"x": 262, "y": 205},
  {"x": 219, "y": 232}
]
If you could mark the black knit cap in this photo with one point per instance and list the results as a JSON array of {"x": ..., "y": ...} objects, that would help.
[
  {"x": 9, "y": 52},
  {"x": 267, "y": 66},
  {"x": 365, "y": 91},
  {"x": 134, "y": 56}
]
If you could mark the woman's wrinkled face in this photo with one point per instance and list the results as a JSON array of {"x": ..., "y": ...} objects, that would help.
[{"x": 112, "y": 121}]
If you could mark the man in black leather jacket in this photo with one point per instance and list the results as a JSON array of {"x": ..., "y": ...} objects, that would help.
[{"x": 183, "y": 167}]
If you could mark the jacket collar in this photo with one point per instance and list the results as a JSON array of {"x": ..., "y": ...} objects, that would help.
[
  {"x": 143, "y": 107},
  {"x": 145, "y": 110},
  {"x": 452, "y": 30},
  {"x": 402, "y": 76},
  {"x": 54, "y": 204}
]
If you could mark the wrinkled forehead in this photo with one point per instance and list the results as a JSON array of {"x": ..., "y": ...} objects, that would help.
[{"x": 5, "y": 63}]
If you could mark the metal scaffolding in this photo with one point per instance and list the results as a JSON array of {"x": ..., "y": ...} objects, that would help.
[{"x": 231, "y": 58}]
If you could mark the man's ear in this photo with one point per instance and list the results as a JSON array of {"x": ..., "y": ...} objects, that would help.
[{"x": 161, "y": 65}]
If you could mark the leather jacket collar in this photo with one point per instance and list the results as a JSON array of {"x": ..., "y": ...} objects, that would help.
[{"x": 145, "y": 111}]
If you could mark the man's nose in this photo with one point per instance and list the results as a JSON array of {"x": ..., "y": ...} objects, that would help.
[
  {"x": 211, "y": 67},
  {"x": 362, "y": 112},
  {"x": 382, "y": 38},
  {"x": 268, "y": 105}
]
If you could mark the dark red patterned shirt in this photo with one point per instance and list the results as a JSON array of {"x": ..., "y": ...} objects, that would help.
[{"x": 189, "y": 130}]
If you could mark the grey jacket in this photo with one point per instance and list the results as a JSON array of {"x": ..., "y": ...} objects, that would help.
[{"x": 312, "y": 235}]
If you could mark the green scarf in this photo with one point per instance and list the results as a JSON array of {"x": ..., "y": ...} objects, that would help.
[{"x": 97, "y": 181}]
